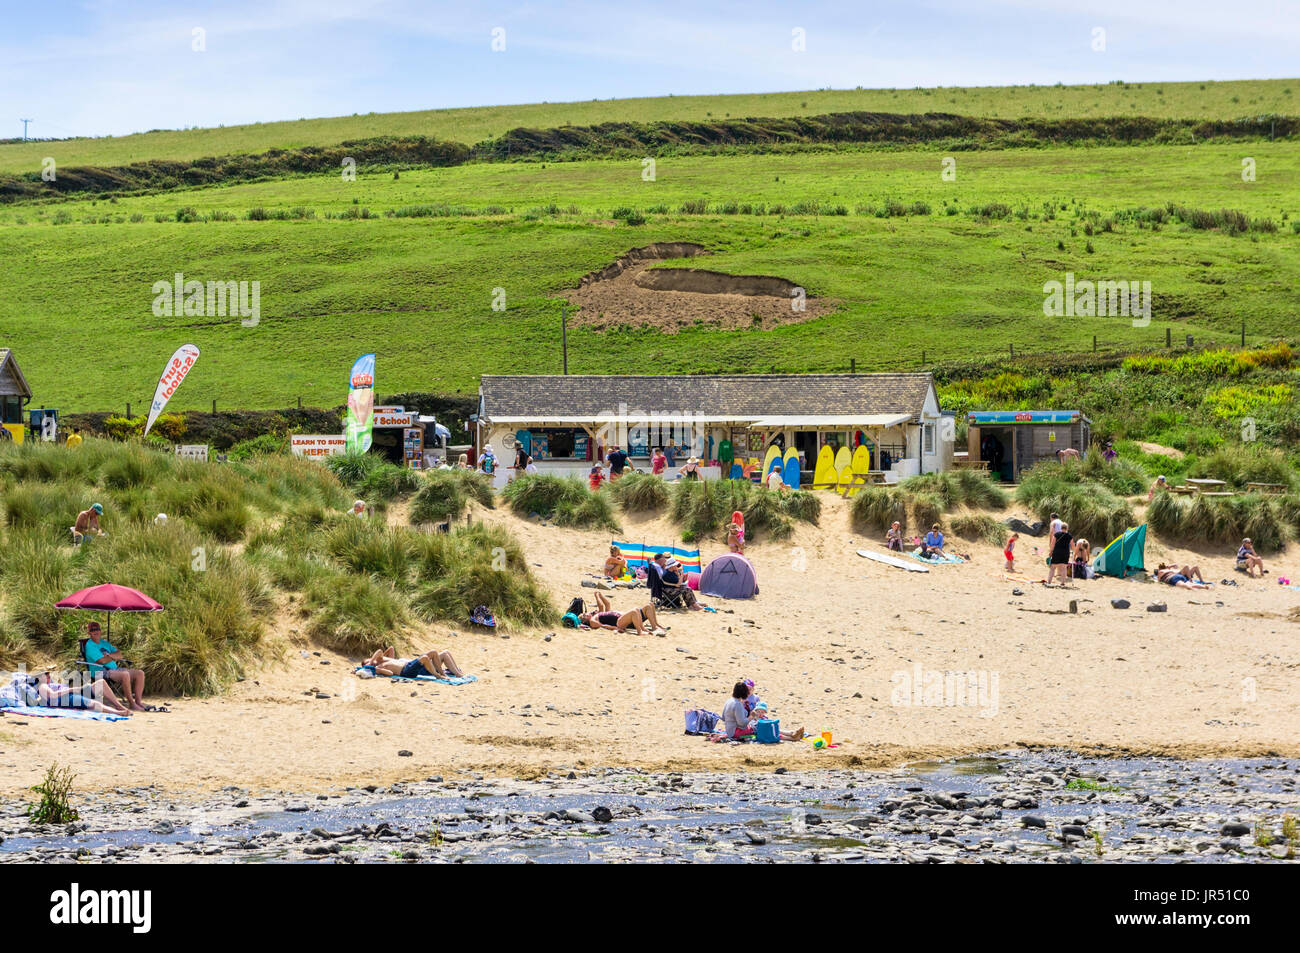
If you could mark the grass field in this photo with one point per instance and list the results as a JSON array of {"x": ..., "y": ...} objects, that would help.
[
  {"x": 1208, "y": 100},
  {"x": 77, "y": 298}
]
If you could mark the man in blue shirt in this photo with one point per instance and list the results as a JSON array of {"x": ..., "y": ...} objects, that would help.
[{"x": 104, "y": 657}]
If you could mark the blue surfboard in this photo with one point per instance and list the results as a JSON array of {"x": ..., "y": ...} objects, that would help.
[{"x": 790, "y": 471}]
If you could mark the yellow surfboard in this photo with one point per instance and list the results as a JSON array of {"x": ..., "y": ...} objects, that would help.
[
  {"x": 824, "y": 473},
  {"x": 773, "y": 453},
  {"x": 843, "y": 458},
  {"x": 846, "y": 478},
  {"x": 862, "y": 460}
]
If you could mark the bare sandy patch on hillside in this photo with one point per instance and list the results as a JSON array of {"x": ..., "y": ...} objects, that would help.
[
  {"x": 631, "y": 291},
  {"x": 1161, "y": 450},
  {"x": 829, "y": 641}
]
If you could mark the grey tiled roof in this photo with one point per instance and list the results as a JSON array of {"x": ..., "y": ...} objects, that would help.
[{"x": 744, "y": 395}]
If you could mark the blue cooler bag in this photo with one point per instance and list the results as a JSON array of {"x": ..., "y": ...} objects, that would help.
[{"x": 767, "y": 731}]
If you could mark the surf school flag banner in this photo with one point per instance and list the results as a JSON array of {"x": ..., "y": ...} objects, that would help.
[
  {"x": 172, "y": 376},
  {"x": 359, "y": 423}
]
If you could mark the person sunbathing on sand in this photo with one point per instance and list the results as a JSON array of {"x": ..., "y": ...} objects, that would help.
[
  {"x": 96, "y": 696},
  {"x": 438, "y": 664},
  {"x": 1181, "y": 577},
  {"x": 605, "y": 617}
]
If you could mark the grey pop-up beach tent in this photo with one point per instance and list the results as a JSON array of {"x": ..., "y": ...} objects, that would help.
[{"x": 730, "y": 576}]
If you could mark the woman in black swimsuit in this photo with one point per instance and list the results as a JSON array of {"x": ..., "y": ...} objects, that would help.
[{"x": 1060, "y": 561}]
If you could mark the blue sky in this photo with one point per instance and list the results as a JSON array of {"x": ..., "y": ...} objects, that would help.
[{"x": 109, "y": 67}]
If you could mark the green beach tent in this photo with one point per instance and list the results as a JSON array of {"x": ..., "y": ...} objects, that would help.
[{"x": 1125, "y": 555}]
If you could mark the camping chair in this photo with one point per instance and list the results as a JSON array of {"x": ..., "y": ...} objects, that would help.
[
  {"x": 83, "y": 664},
  {"x": 663, "y": 595}
]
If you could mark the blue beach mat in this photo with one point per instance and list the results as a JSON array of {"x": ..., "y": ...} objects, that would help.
[
  {"x": 462, "y": 680},
  {"x": 35, "y": 711},
  {"x": 946, "y": 559}
]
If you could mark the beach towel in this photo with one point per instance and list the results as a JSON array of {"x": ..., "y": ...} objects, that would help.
[
  {"x": 945, "y": 559},
  {"x": 461, "y": 680},
  {"x": 34, "y": 711},
  {"x": 638, "y": 556}
]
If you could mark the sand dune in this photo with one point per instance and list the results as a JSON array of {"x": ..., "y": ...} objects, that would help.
[{"x": 833, "y": 642}]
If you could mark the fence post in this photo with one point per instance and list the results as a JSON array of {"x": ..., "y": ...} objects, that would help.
[
  {"x": 300, "y": 403},
  {"x": 1094, "y": 344},
  {"x": 923, "y": 357},
  {"x": 128, "y": 410},
  {"x": 214, "y": 405},
  {"x": 1243, "y": 332},
  {"x": 1168, "y": 337},
  {"x": 853, "y": 365},
  {"x": 1013, "y": 349}
]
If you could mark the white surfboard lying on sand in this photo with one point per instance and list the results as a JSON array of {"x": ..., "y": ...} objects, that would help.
[{"x": 893, "y": 561}]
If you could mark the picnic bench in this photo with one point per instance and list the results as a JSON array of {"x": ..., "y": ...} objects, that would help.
[
  {"x": 1269, "y": 489},
  {"x": 1207, "y": 487},
  {"x": 870, "y": 478}
]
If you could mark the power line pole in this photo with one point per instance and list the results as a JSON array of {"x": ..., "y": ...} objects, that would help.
[
  {"x": 25, "y": 122},
  {"x": 564, "y": 337}
]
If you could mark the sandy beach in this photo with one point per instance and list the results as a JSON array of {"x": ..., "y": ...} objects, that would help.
[{"x": 834, "y": 642}]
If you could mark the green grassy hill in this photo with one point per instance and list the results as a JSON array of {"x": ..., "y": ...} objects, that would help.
[
  {"x": 77, "y": 297},
  {"x": 1208, "y": 100},
  {"x": 913, "y": 265}
]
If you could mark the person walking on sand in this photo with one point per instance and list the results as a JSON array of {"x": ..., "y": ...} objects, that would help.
[
  {"x": 1008, "y": 553},
  {"x": 617, "y": 461},
  {"x": 438, "y": 664},
  {"x": 1059, "y": 562}
]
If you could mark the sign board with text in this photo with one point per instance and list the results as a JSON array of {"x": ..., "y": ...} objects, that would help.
[
  {"x": 394, "y": 418},
  {"x": 317, "y": 444}
]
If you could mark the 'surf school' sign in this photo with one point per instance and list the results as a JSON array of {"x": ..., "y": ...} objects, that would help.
[{"x": 401, "y": 419}]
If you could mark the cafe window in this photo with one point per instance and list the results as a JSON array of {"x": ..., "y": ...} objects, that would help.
[{"x": 556, "y": 444}]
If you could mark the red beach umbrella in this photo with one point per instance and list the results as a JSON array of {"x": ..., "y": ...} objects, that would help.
[{"x": 109, "y": 598}]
